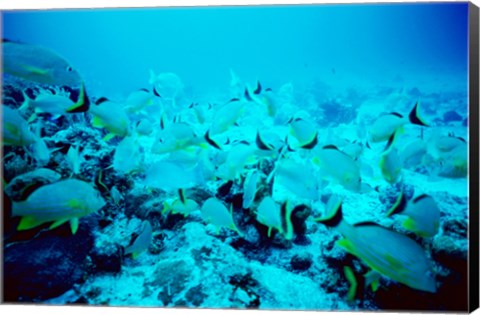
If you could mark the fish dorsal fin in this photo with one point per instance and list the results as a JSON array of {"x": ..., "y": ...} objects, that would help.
[
  {"x": 247, "y": 95},
  {"x": 367, "y": 223},
  {"x": 399, "y": 205},
  {"x": 311, "y": 144},
  {"x": 101, "y": 100},
  {"x": 419, "y": 198},
  {"x": 396, "y": 114},
  {"x": 415, "y": 118},
  {"x": 258, "y": 90},
  {"x": 83, "y": 103},
  {"x": 261, "y": 144},
  {"x": 155, "y": 92},
  {"x": 181, "y": 194},
  {"x": 210, "y": 141},
  {"x": 330, "y": 146}
]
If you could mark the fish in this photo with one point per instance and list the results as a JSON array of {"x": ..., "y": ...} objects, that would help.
[
  {"x": 447, "y": 143},
  {"x": 250, "y": 188},
  {"x": 268, "y": 213},
  {"x": 226, "y": 116},
  {"x": 336, "y": 165},
  {"x": 141, "y": 243},
  {"x": 422, "y": 212},
  {"x": 144, "y": 127},
  {"x": 298, "y": 178},
  {"x": 74, "y": 159},
  {"x": 170, "y": 176},
  {"x": 413, "y": 154},
  {"x": 138, "y": 101},
  {"x": 38, "y": 64},
  {"x": 116, "y": 195},
  {"x": 41, "y": 152},
  {"x": 182, "y": 205},
  {"x": 353, "y": 149},
  {"x": 390, "y": 162},
  {"x": 454, "y": 164},
  {"x": 371, "y": 278},
  {"x": 63, "y": 201},
  {"x": 167, "y": 84},
  {"x": 441, "y": 146},
  {"x": 215, "y": 212},
  {"x": 386, "y": 252},
  {"x": 55, "y": 104},
  {"x": 238, "y": 157},
  {"x": 111, "y": 116},
  {"x": 16, "y": 131},
  {"x": 261, "y": 144},
  {"x": 305, "y": 132},
  {"x": 175, "y": 137},
  {"x": 127, "y": 157},
  {"x": 386, "y": 125}
]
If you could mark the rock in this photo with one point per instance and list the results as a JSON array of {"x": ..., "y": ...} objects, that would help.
[
  {"x": 109, "y": 260},
  {"x": 196, "y": 295},
  {"x": 141, "y": 204},
  {"x": 452, "y": 116},
  {"x": 48, "y": 265},
  {"x": 456, "y": 227},
  {"x": 449, "y": 252},
  {"x": 15, "y": 162},
  {"x": 172, "y": 276},
  {"x": 245, "y": 290},
  {"x": 301, "y": 262}
]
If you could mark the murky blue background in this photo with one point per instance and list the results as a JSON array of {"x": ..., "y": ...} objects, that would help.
[{"x": 342, "y": 44}]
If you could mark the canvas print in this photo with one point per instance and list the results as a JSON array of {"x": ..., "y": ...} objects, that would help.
[{"x": 301, "y": 157}]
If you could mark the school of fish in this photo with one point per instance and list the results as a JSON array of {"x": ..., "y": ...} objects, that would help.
[{"x": 249, "y": 140}]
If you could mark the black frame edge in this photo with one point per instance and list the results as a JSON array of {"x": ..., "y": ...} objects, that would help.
[{"x": 473, "y": 101}]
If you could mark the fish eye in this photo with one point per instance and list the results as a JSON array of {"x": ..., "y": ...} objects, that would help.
[
  {"x": 69, "y": 69},
  {"x": 429, "y": 274}
]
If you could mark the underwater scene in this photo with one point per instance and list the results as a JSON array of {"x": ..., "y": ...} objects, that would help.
[{"x": 303, "y": 157}]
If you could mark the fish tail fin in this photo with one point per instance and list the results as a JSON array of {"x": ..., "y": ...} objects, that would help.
[
  {"x": 83, "y": 102},
  {"x": 399, "y": 206},
  {"x": 353, "y": 280},
  {"x": 287, "y": 225},
  {"x": 166, "y": 207},
  {"x": 210, "y": 141},
  {"x": 26, "y": 102},
  {"x": 392, "y": 140},
  {"x": 415, "y": 118},
  {"x": 334, "y": 218},
  {"x": 181, "y": 195},
  {"x": 372, "y": 279}
]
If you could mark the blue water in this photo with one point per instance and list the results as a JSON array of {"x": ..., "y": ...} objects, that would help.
[{"x": 114, "y": 49}]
